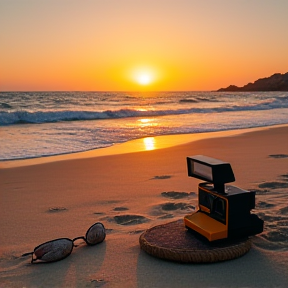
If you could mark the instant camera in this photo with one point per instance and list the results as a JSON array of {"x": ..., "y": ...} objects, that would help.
[{"x": 223, "y": 210}]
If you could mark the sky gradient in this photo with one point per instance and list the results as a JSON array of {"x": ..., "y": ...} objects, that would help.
[{"x": 122, "y": 45}]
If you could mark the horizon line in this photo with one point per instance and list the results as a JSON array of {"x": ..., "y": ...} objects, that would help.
[{"x": 113, "y": 91}]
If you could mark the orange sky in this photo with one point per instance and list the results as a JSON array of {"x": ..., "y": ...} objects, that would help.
[{"x": 110, "y": 45}]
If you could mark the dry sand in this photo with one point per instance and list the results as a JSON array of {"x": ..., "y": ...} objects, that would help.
[{"x": 126, "y": 192}]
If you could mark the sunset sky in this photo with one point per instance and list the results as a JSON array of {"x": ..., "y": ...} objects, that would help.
[{"x": 127, "y": 45}]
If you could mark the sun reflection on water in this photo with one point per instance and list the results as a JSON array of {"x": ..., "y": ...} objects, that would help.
[
  {"x": 147, "y": 122},
  {"x": 149, "y": 143}
]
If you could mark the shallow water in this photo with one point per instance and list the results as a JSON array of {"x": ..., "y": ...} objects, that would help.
[{"x": 35, "y": 124}]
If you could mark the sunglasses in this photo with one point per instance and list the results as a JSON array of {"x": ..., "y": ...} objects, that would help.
[{"x": 60, "y": 248}]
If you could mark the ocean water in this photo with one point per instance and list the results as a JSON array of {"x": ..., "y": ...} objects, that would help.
[{"x": 37, "y": 124}]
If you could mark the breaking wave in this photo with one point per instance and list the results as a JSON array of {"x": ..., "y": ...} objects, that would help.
[{"x": 19, "y": 117}]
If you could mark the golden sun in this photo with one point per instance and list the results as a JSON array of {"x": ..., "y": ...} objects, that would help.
[{"x": 144, "y": 78}]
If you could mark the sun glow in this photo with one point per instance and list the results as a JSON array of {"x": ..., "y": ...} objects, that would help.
[
  {"x": 144, "y": 76},
  {"x": 144, "y": 79}
]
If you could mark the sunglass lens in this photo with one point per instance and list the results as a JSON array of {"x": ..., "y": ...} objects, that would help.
[
  {"x": 53, "y": 250},
  {"x": 95, "y": 234}
]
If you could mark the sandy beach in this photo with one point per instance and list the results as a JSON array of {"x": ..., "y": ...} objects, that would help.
[{"x": 124, "y": 188}]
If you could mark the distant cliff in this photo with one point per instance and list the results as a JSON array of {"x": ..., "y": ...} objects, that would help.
[{"x": 276, "y": 82}]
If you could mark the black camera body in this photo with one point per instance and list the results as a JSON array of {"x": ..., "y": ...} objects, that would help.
[{"x": 224, "y": 211}]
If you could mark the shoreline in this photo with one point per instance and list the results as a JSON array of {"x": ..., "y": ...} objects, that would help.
[{"x": 137, "y": 145}]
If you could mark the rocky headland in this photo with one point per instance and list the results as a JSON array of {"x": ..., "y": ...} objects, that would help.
[{"x": 276, "y": 82}]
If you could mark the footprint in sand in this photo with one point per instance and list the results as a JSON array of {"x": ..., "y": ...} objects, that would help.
[
  {"x": 167, "y": 207},
  {"x": 277, "y": 236},
  {"x": 120, "y": 209},
  {"x": 273, "y": 240},
  {"x": 284, "y": 177},
  {"x": 278, "y": 156},
  {"x": 170, "y": 206},
  {"x": 56, "y": 209},
  {"x": 273, "y": 185},
  {"x": 130, "y": 219},
  {"x": 264, "y": 205},
  {"x": 98, "y": 213},
  {"x": 270, "y": 219},
  {"x": 259, "y": 191},
  {"x": 177, "y": 195},
  {"x": 161, "y": 177}
]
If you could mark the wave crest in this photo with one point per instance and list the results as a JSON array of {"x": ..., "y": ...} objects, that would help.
[{"x": 18, "y": 117}]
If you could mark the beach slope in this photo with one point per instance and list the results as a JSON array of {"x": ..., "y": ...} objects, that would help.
[{"x": 129, "y": 193}]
